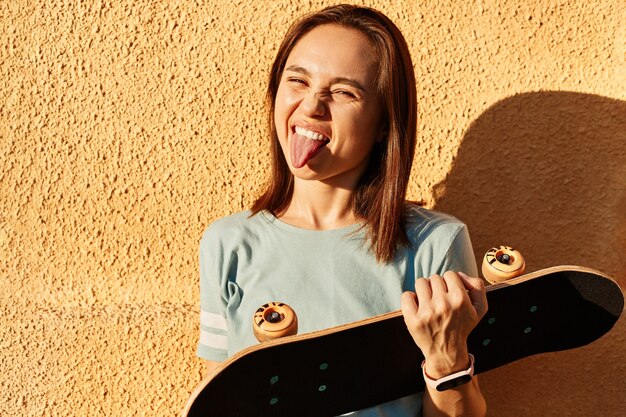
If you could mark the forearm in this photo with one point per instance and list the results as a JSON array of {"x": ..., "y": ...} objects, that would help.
[
  {"x": 465, "y": 400},
  {"x": 210, "y": 367}
]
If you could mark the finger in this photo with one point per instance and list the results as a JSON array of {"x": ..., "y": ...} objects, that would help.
[
  {"x": 476, "y": 292},
  {"x": 467, "y": 281},
  {"x": 454, "y": 282},
  {"x": 457, "y": 294},
  {"x": 423, "y": 290},
  {"x": 408, "y": 304},
  {"x": 438, "y": 286}
]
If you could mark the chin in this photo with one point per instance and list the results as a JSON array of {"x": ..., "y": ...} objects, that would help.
[{"x": 304, "y": 173}]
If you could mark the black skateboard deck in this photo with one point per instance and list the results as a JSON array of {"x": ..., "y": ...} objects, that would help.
[{"x": 362, "y": 364}]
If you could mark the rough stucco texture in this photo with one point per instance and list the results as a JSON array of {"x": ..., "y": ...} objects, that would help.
[{"x": 126, "y": 127}]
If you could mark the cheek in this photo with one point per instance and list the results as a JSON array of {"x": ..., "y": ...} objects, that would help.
[
  {"x": 283, "y": 108},
  {"x": 364, "y": 129},
  {"x": 371, "y": 129}
]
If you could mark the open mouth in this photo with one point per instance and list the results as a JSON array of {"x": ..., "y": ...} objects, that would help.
[{"x": 305, "y": 145}]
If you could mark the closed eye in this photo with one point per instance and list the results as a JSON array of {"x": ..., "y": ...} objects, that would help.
[
  {"x": 295, "y": 80},
  {"x": 344, "y": 93}
]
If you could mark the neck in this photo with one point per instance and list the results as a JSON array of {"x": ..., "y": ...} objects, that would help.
[{"x": 318, "y": 206}]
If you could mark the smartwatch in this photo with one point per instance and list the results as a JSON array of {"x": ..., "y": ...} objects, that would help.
[{"x": 450, "y": 381}]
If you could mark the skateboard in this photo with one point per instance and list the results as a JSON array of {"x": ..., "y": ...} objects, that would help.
[{"x": 369, "y": 362}]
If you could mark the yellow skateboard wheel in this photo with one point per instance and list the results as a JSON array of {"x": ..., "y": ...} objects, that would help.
[
  {"x": 502, "y": 263},
  {"x": 274, "y": 320}
]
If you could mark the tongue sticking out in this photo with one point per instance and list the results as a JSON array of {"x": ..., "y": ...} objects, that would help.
[{"x": 303, "y": 149}]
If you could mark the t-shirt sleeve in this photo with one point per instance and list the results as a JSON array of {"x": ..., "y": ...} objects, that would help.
[
  {"x": 443, "y": 244},
  {"x": 460, "y": 255},
  {"x": 213, "y": 342}
]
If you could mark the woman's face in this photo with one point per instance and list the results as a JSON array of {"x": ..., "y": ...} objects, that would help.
[{"x": 327, "y": 111}]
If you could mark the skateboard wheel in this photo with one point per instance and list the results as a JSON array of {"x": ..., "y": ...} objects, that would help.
[
  {"x": 274, "y": 320},
  {"x": 502, "y": 263}
]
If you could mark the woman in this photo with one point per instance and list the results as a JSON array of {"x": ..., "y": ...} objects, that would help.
[{"x": 332, "y": 235}]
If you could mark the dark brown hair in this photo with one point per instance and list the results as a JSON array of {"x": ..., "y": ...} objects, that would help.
[{"x": 379, "y": 197}]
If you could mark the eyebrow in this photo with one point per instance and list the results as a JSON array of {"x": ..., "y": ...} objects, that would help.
[{"x": 337, "y": 80}]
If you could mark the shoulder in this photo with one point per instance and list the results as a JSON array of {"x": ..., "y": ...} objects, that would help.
[
  {"x": 232, "y": 228},
  {"x": 422, "y": 224},
  {"x": 228, "y": 222}
]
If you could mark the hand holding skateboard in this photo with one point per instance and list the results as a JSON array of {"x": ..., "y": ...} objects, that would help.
[{"x": 440, "y": 315}]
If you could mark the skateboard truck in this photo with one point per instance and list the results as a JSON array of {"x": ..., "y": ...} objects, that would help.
[
  {"x": 274, "y": 320},
  {"x": 502, "y": 263}
]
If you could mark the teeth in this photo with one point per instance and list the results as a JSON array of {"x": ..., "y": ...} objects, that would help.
[{"x": 309, "y": 134}]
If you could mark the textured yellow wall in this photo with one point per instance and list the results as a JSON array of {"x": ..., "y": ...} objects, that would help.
[{"x": 127, "y": 126}]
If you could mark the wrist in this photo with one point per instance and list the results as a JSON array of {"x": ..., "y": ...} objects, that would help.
[
  {"x": 452, "y": 380},
  {"x": 439, "y": 366}
]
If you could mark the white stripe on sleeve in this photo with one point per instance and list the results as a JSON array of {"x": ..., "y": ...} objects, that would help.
[
  {"x": 214, "y": 321},
  {"x": 214, "y": 341}
]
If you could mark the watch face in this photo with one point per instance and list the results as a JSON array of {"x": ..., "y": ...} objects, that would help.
[{"x": 453, "y": 383}]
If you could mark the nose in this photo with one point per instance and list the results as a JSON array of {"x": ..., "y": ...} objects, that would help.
[{"x": 313, "y": 104}]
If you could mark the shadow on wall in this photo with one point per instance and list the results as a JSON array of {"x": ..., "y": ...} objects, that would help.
[{"x": 545, "y": 172}]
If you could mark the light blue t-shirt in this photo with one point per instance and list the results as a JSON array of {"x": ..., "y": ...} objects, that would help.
[{"x": 328, "y": 277}]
